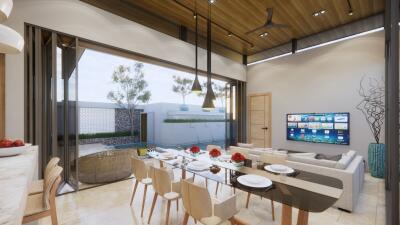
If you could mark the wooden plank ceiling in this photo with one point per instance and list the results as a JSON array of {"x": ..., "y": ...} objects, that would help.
[{"x": 237, "y": 17}]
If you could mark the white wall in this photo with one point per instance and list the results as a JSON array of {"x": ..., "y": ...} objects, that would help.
[
  {"x": 80, "y": 19},
  {"x": 325, "y": 79}
]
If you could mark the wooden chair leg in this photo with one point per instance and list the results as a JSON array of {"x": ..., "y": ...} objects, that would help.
[
  {"x": 185, "y": 219},
  {"x": 272, "y": 208},
  {"x": 144, "y": 199},
  {"x": 53, "y": 211},
  {"x": 168, "y": 208},
  {"x": 152, "y": 206},
  {"x": 134, "y": 191},
  {"x": 53, "y": 215},
  {"x": 248, "y": 200},
  {"x": 206, "y": 183},
  {"x": 177, "y": 204}
]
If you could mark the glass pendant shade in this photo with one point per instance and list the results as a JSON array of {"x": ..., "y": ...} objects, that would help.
[
  {"x": 10, "y": 40},
  {"x": 5, "y": 9}
]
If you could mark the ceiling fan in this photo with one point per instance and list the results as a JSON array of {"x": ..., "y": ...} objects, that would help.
[{"x": 269, "y": 24}]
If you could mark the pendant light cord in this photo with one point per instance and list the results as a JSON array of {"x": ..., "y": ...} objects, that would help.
[{"x": 196, "y": 38}]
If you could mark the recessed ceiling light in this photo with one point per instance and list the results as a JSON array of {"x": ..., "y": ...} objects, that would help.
[
  {"x": 351, "y": 13},
  {"x": 230, "y": 34},
  {"x": 212, "y": 1},
  {"x": 263, "y": 35},
  {"x": 319, "y": 13}
]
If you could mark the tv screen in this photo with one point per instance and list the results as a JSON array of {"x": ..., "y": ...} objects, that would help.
[{"x": 330, "y": 128}]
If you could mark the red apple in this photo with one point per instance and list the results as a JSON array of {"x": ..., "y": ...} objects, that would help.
[
  {"x": 6, "y": 143},
  {"x": 18, "y": 143}
]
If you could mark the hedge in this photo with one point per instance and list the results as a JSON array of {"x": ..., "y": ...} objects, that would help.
[
  {"x": 193, "y": 120},
  {"x": 107, "y": 135}
]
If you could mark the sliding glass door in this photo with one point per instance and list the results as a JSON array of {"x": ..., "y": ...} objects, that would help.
[{"x": 51, "y": 100}]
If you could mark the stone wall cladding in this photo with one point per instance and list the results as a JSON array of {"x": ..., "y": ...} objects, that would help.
[
  {"x": 122, "y": 121},
  {"x": 109, "y": 141}
]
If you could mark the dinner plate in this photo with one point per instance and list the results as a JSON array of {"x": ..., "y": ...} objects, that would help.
[
  {"x": 12, "y": 151},
  {"x": 225, "y": 157},
  {"x": 198, "y": 165},
  {"x": 277, "y": 168},
  {"x": 167, "y": 155},
  {"x": 255, "y": 181}
]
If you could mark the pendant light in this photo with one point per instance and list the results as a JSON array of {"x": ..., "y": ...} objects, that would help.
[
  {"x": 10, "y": 40},
  {"x": 208, "y": 103},
  {"x": 5, "y": 9},
  {"x": 196, "y": 88}
]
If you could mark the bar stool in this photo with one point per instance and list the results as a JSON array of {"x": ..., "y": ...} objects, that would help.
[
  {"x": 164, "y": 186},
  {"x": 198, "y": 204},
  {"x": 38, "y": 185},
  {"x": 44, "y": 204},
  {"x": 140, "y": 171}
]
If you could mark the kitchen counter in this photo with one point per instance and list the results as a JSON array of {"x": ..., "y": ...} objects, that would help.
[{"x": 16, "y": 175}]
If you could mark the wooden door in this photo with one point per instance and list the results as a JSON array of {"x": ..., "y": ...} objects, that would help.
[{"x": 260, "y": 120}]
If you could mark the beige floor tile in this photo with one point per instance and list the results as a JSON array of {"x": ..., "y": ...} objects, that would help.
[{"x": 109, "y": 205}]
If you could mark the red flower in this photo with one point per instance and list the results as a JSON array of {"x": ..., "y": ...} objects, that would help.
[
  {"x": 214, "y": 152},
  {"x": 237, "y": 157},
  {"x": 195, "y": 149}
]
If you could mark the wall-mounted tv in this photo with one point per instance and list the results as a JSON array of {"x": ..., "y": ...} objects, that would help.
[{"x": 330, "y": 128}]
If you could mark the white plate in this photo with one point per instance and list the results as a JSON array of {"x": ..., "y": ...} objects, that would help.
[
  {"x": 225, "y": 157},
  {"x": 198, "y": 165},
  {"x": 13, "y": 150},
  {"x": 167, "y": 155},
  {"x": 254, "y": 181},
  {"x": 272, "y": 168}
]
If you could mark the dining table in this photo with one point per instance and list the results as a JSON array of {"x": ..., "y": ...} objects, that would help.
[{"x": 308, "y": 192}]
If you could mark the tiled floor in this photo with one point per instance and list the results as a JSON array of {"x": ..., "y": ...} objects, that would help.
[{"x": 109, "y": 205}]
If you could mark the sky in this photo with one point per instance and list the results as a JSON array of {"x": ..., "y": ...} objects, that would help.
[{"x": 96, "y": 68}]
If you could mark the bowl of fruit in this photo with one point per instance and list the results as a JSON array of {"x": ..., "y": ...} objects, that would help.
[{"x": 10, "y": 147}]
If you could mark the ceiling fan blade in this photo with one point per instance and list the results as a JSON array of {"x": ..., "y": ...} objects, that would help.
[
  {"x": 270, "y": 12},
  {"x": 255, "y": 29}
]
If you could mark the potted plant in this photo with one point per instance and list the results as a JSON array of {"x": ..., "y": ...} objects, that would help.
[
  {"x": 372, "y": 106},
  {"x": 238, "y": 159},
  {"x": 194, "y": 150},
  {"x": 214, "y": 153}
]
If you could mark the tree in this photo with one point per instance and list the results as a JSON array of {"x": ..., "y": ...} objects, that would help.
[
  {"x": 182, "y": 86},
  {"x": 219, "y": 91},
  {"x": 131, "y": 89}
]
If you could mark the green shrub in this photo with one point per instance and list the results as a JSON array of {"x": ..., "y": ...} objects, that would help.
[
  {"x": 108, "y": 135},
  {"x": 193, "y": 120}
]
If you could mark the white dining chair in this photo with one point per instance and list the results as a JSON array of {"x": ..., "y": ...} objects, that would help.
[
  {"x": 199, "y": 205},
  {"x": 165, "y": 187},
  {"x": 141, "y": 171}
]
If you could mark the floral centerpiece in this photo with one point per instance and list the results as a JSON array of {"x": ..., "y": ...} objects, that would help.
[
  {"x": 238, "y": 159},
  {"x": 214, "y": 153},
  {"x": 195, "y": 150}
]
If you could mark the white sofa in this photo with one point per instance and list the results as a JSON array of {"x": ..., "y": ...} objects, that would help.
[{"x": 349, "y": 169}]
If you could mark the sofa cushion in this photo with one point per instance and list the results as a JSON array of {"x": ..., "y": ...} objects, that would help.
[
  {"x": 306, "y": 155},
  {"x": 329, "y": 157},
  {"x": 313, "y": 161},
  {"x": 245, "y": 145}
]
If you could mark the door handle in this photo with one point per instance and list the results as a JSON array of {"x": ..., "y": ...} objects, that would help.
[{"x": 265, "y": 128}]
